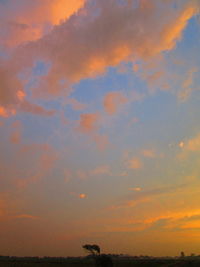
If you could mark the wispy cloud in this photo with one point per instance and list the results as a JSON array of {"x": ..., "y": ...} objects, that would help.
[{"x": 142, "y": 196}]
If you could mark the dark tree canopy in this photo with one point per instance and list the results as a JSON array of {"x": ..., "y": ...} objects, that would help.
[{"x": 93, "y": 249}]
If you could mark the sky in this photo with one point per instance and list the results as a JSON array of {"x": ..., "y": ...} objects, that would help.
[{"x": 99, "y": 127}]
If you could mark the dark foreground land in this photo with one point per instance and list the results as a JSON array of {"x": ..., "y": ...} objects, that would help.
[{"x": 82, "y": 262}]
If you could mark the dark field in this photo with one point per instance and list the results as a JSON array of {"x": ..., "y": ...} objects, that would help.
[{"x": 83, "y": 262}]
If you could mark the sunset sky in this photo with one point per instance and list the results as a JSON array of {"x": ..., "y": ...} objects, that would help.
[{"x": 99, "y": 127}]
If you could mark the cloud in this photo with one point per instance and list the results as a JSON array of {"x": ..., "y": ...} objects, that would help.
[
  {"x": 26, "y": 216},
  {"x": 193, "y": 144},
  {"x": 21, "y": 95},
  {"x": 143, "y": 196},
  {"x": 187, "y": 85},
  {"x": 28, "y": 20},
  {"x": 100, "y": 170},
  {"x": 101, "y": 141},
  {"x": 67, "y": 175},
  {"x": 15, "y": 137},
  {"x": 182, "y": 220},
  {"x": 10, "y": 85},
  {"x": 82, "y": 195},
  {"x": 43, "y": 159},
  {"x": 148, "y": 153},
  {"x": 3, "y": 112},
  {"x": 76, "y": 105},
  {"x": 135, "y": 163},
  {"x": 112, "y": 102},
  {"x": 96, "y": 37},
  {"x": 83, "y": 175},
  {"x": 88, "y": 122},
  {"x": 189, "y": 146},
  {"x": 137, "y": 189},
  {"x": 174, "y": 30},
  {"x": 29, "y": 107}
]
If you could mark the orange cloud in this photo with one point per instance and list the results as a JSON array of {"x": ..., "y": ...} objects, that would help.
[
  {"x": 181, "y": 144},
  {"x": 21, "y": 95},
  {"x": 187, "y": 84},
  {"x": 191, "y": 225},
  {"x": 98, "y": 171},
  {"x": 82, "y": 196},
  {"x": 43, "y": 157},
  {"x": 88, "y": 122},
  {"x": 25, "y": 216},
  {"x": 135, "y": 163},
  {"x": 15, "y": 137},
  {"x": 86, "y": 44},
  {"x": 83, "y": 175},
  {"x": 191, "y": 145},
  {"x": 76, "y": 105},
  {"x": 101, "y": 170},
  {"x": 102, "y": 141},
  {"x": 3, "y": 112},
  {"x": 27, "y": 106},
  {"x": 29, "y": 20},
  {"x": 174, "y": 30},
  {"x": 67, "y": 175},
  {"x": 142, "y": 196},
  {"x": 137, "y": 189},
  {"x": 112, "y": 102},
  {"x": 148, "y": 153},
  {"x": 171, "y": 220}
]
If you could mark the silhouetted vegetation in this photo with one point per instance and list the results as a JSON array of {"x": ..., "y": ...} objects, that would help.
[
  {"x": 115, "y": 260},
  {"x": 93, "y": 249},
  {"x": 101, "y": 260}
]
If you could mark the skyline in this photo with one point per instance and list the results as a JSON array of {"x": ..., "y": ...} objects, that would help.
[{"x": 99, "y": 126}]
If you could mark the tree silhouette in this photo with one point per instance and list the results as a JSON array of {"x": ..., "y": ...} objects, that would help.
[
  {"x": 93, "y": 249},
  {"x": 101, "y": 260},
  {"x": 182, "y": 254}
]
